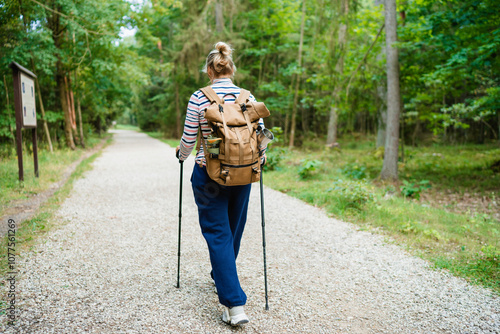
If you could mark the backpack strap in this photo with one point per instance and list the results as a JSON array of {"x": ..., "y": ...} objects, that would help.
[
  {"x": 211, "y": 95},
  {"x": 243, "y": 97},
  {"x": 198, "y": 140}
]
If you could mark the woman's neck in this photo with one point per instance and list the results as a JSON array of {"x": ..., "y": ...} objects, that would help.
[{"x": 219, "y": 78}]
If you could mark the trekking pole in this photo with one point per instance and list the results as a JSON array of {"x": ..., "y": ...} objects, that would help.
[
  {"x": 179, "y": 240},
  {"x": 263, "y": 235}
]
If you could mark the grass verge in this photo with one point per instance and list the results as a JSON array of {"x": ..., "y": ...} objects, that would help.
[
  {"x": 159, "y": 136},
  {"x": 51, "y": 166},
  {"x": 127, "y": 127}
]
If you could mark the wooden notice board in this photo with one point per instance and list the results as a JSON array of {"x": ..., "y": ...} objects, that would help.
[
  {"x": 28, "y": 101},
  {"x": 25, "y": 105}
]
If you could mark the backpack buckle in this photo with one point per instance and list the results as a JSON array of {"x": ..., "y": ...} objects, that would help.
[
  {"x": 243, "y": 107},
  {"x": 220, "y": 108}
]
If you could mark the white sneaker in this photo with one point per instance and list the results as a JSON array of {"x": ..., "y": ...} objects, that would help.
[{"x": 235, "y": 316}]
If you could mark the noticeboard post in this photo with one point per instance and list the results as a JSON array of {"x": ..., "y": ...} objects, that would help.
[{"x": 24, "y": 101}]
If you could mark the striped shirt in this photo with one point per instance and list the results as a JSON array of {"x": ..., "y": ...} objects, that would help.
[{"x": 195, "y": 119}]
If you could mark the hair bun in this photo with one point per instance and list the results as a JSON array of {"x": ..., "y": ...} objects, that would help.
[
  {"x": 220, "y": 60},
  {"x": 223, "y": 48}
]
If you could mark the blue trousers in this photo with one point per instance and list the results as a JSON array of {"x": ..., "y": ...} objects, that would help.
[{"x": 222, "y": 212}]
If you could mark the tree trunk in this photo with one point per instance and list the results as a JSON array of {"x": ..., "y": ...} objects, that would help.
[
  {"x": 382, "y": 115},
  {"x": 331, "y": 137},
  {"x": 63, "y": 97},
  {"x": 71, "y": 103},
  {"x": 54, "y": 24},
  {"x": 9, "y": 111},
  {"x": 287, "y": 127},
  {"x": 79, "y": 109},
  {"x": 219, "y": 18},
  {"x": 44, "y": 120},
  {"x": 297, "y": 81},
  {"x": 390, "y": 166}
]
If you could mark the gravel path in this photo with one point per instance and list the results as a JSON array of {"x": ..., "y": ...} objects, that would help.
[{"x": 111, "y": 265}]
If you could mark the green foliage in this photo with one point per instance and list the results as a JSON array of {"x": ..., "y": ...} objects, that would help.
[
  {"x": 448, "y": 56},
  {"x": 274, "y": 156},
  {"x": 78, "y": 45},
  {"x": 418, "y": 229},
  {"x": 308, "y": 167},
  {"x": 278, "y": 135},
  {"x": 379, "y": 152},
  {"x": 414, "y": 189},
  {"x": 450, "y": 66},
  {"x": 354, "y": 171},
  {"x": 275, "y": 153},
  {"x": 352, "y": 194}
]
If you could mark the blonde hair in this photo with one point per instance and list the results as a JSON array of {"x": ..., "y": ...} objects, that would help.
[{"x": 220, "y": 60}]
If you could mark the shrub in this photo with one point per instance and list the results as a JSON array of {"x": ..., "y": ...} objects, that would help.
[
  {"x": 413, "y": 189},
  {"x": 379, "y": 153},
  {"x": 354, "y": 171},
  {"x": 308, "y": 167},
  {"x": 274, "y": 156},
  {"x": 353, "y": 194}
]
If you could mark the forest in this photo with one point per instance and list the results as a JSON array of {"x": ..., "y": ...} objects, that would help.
[{"x": 319, "y": 65}]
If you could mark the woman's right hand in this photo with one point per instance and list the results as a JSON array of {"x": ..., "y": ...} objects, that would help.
[{"x": 177, "y": 152}]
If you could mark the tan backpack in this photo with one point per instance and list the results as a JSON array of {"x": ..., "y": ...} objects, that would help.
[{"x": 232, "y": 148}]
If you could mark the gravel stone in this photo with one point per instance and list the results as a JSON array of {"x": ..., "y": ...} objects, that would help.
[{"x": 111, "y": 265}]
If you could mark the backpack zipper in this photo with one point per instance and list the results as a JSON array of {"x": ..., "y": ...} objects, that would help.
[
  {"x": 239, "y": 166},
  {"x": 237, "y": 126}
]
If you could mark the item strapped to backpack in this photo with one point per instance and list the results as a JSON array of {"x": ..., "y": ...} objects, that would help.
[{"x": 232, "y": 149}]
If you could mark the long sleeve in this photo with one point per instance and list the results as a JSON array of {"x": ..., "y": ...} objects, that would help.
[{"x": 191, "y": 126}]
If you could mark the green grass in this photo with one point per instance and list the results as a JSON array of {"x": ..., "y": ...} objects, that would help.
[
  {"x": 127, "y": 127},
  {"x": 159, "y": 135},
  {"x": 51, "y": 167},
  {"x": 344, "y": 184}
]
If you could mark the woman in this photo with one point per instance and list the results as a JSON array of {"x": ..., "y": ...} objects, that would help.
[{"x": 222, "y": 210}]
